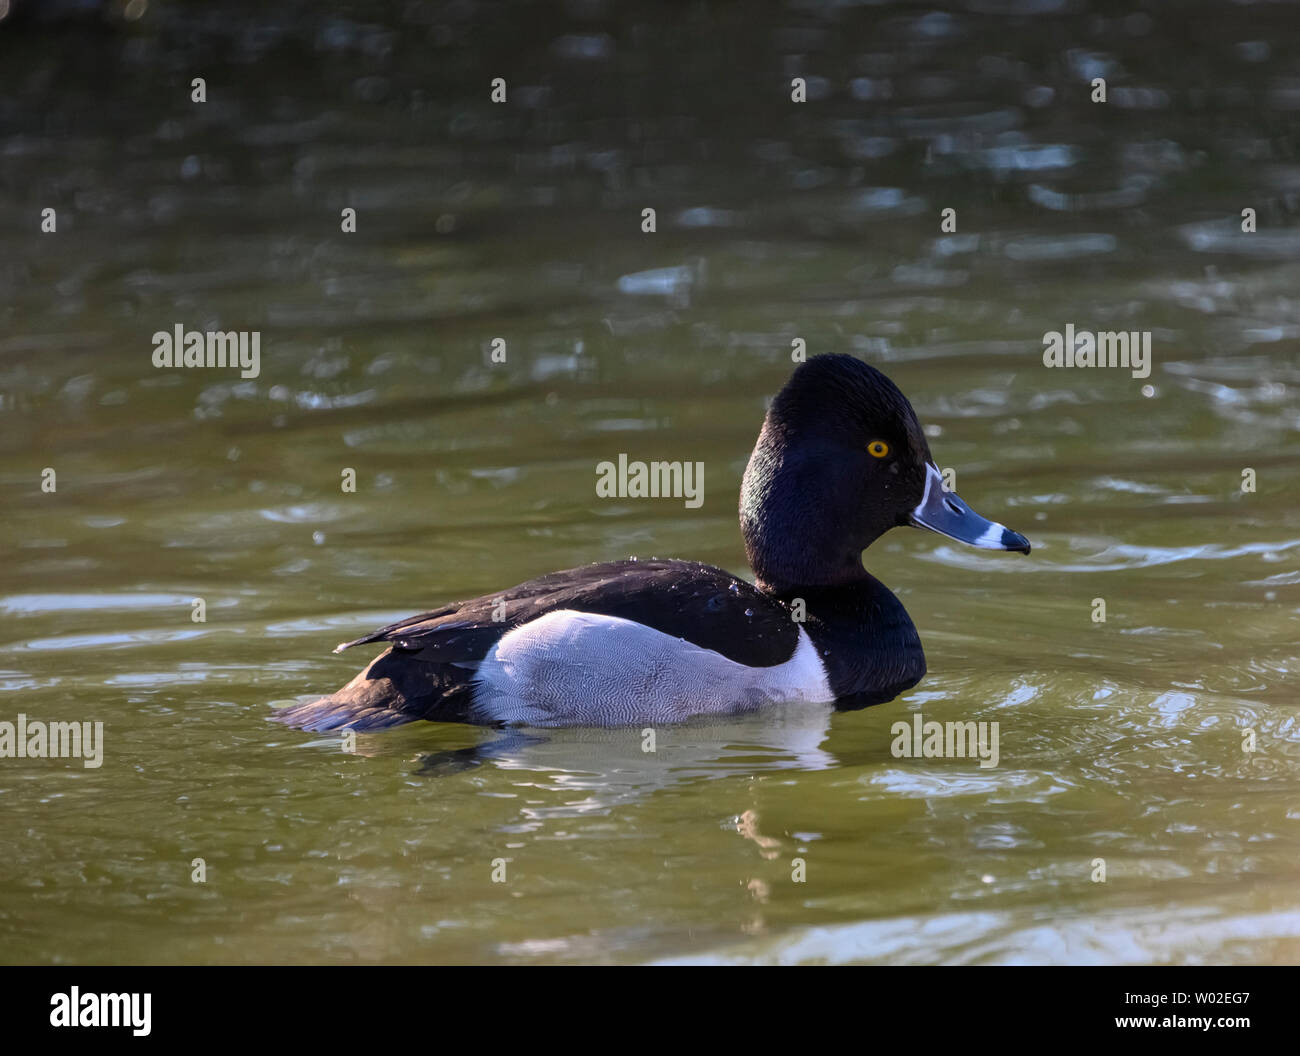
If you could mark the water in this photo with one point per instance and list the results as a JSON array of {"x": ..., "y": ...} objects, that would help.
[{"x": 1121, "y": 741}]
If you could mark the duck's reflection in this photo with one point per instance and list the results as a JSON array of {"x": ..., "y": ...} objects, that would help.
[{"x": 613, "y": 766}]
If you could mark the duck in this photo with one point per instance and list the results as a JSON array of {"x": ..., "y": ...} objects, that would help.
[{"x": 840, "y": 460}]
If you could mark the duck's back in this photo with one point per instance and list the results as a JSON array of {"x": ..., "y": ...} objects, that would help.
[{"x": 606, "y": 644}]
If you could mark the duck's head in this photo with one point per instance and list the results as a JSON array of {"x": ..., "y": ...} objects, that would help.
[{"x": 841, "y": 460}]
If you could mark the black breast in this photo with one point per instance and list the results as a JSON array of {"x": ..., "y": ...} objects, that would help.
[{"x": 866, "y": 640}]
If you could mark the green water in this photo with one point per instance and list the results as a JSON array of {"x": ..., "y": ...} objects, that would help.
[{"x": 1120, "y": 741}]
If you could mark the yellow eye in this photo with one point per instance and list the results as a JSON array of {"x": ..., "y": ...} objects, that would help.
[{"x": 878, "y": 449}]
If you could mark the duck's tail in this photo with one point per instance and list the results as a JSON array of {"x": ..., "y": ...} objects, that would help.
[{"x": 395, "y": 689}]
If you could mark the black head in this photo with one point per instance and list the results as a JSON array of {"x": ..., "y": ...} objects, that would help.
[{"x": 842, "y": 459}]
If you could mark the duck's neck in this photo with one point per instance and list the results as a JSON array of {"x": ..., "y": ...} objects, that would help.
[
  {"x": 803, "y": 516},
  {"x": 865, "y": 638}
]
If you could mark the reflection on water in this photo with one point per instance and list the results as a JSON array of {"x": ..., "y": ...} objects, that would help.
[
  {"x": 610, "y": 767},
  {"x": 1028, "y": 938},
  {"x": 1122, "y": 740}
]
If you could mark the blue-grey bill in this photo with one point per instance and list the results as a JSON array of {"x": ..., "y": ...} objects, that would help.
[{"x": 945, "y": 513}]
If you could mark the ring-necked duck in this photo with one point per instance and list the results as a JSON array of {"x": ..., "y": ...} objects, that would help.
[{"x": 840, "y": 460}]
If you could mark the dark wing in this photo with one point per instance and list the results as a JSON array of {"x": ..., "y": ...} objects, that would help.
[{"x": 704, "y": 605}]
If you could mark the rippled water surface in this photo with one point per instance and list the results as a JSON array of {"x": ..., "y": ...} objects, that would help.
[{"x": 1122, "y": 741}]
